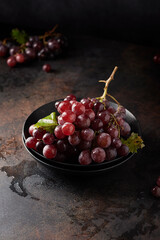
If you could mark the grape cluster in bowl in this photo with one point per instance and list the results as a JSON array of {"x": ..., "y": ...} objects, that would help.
[
  {"x": 84, "y": 132},
  {"x": 21, "y": 48},
  {"x": 85, "y": 129}
]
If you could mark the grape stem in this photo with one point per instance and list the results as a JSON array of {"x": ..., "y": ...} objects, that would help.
[
  {"x": 48, "y": 34},
  {"x": 107, "y": 82},
  {"x": 43, "y": 37}
]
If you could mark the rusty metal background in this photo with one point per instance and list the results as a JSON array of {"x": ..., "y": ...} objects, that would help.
[{"x": 39, "y": 204}]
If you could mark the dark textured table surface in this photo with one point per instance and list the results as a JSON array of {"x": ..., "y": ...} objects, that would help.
[{"x": 39, "y": 204}]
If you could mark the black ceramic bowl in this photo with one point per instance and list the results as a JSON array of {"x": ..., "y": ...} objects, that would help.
[{"x": 94, "y": 167}]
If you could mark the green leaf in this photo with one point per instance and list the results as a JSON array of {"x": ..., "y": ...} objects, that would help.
[
  {"x": 48, "y": 123},
  {"x": 20, "y": 36},
  {"x": 134, "y": 142}
]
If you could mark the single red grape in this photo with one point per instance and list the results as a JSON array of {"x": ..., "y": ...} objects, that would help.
[
  {"x": 20, "y": 58},
  {"x": 49, "y": 151},
  {"x": 90, "y": 113},
  {"x": 58, "y": 132},
  {"x": 70, "y": 97},
  {"x": 123, "y": 150},
  {"x": 104, "y": 140},
  {"x": 68, "y": 116},
  {"x": 68, "y": 128},
  {"x": 61, "y": 145},
  {"x": 78, "y": 108},
  {"x": 104, "y": 116},
  {"x": 38, "y": 133},
  {"x": 60, "y": 120},
  {"x": 97, "y": 124},
  {"x": 156, "y": 191},
  {"x": 48, "y": 138},
  {"x": 64, "y": 106},
  {"x": 11, "y": 61},
  {"x": 111, "y": 109},
  {"x": 113, "y": 132},
  {"x": 87, "y": 134},
  {"x": 111, "y": 153},
  {"x": 85, "y": 157},
  {"x": 31, "y": 129},
  {"x": 74, "y": 139},
  {"x": 39, "y": 146},
  {"x": 87, "y": 103},
  {"x": 98, "y": 155},
  {"x": 46, "y": 68},
  {"x": 116, "y": 142},
  {"x": 31, "y": 142},
  {"x": 83, "y": 121}
]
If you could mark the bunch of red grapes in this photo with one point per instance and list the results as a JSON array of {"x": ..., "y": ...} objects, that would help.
[
  {"x": 88, "y": 131},
  {"x": 34, "y": 48}
]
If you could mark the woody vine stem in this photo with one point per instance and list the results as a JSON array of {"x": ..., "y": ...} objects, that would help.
[{"x": 107, "y": 82}]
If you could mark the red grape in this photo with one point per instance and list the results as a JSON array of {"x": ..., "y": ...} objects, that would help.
[
  {"x": 20, "y": 58},
  {"x": 125, "y": 129},
  {"x": 11, "y": 61},
  {"x": 39, "y": 146},
  {"x": 156, "y": 58},
  {"x": 30, "y": 52},
  {"x": 83, "y": 121},
  {"x": 53, "y": 44},
  {"x": 104, "y": 140},
  {"x": 70, "y": 97},
  {"x": 60, "y": 120},
  {"x": 61, "y": 145},
  {"x": 90, "y": 113},
  {"x": 97, "y": 124},
  {"x": 68, "y": 128},
  {"x": 111, "y": 109},
  {"x": 58, "y": 132},
  {"x": 98, "y": 107},
  {"x": 87, "y": 134},
  {"x": 85, "y": 157},
  {"x": 31, "y": 129},
  {"x": 98, "y": 155},
  {"x": 64, "y": 106},
  {"x": 123, "y": 150},
  {"x": 49, "y": 151},
  {"x": 156, "y": 191},
  {"x": 57, "y": 104},
  {"x": 48, "y": 138},
  {"x": 3, "y": 50},
  {"x": 31, "y": 142},
  {"x": 78, "y": 108},
  {"x": 113, "y": 132},
  {"x": 74, "y": 139},
  {"x": 87, "y": 103},
  {"x": 116, "y": 142},
  {"x": 38, "y": 133},
  {"x": 37, "y": 45},
  {"x": 46, "y": 68},
  {"x": 111, "y": 153},
  {"x": 68, "y": 116},
  {"x": 104, "y": 116}
]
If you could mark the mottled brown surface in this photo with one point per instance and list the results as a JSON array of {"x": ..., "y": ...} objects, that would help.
[{"x": 40, "y": 204}]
